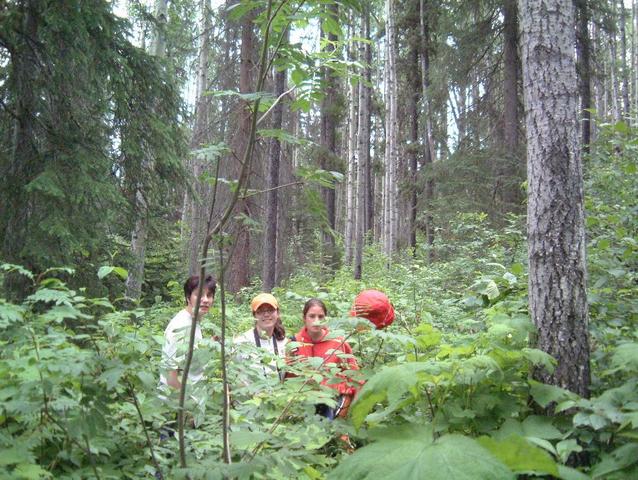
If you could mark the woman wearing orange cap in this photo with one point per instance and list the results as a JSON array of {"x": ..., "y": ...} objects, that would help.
[{"x": 268, "y": 333}]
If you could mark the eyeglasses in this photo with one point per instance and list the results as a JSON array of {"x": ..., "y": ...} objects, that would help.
[{"x": 264, "y": 311}]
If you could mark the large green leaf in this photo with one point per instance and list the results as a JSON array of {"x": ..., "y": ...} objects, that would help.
[
  {"x": 10, "y": 267},
  {"x": 546, "y": 394},
  {"x": 619, "y": 459},
  {"x": 539, "y": 358},
  {"x": 533, "y": 426},
  {"x": 409, "y": 452},
  {"x": 625, "y": 357},
  {"x": 10, "y": 313},
  {"x": 389, "y": 383},
  {"x": 520, "y": 455}
]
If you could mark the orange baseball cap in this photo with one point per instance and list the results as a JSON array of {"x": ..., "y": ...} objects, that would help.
[{"x": 264, "y": 299}]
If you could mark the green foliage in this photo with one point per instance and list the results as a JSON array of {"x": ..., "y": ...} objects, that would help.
[{"x": 409, "y": 452}]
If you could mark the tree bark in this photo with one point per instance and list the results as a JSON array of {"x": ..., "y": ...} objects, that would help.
[
  {"x": 328, "y": 143},
  {"x": 390, "y": 192},
  {"x": 135, "y": 277},
  {"x": 428, "y": 151},
  {"x": 363, "y": 149},
  {"x": 271, "y": 239},
  {"x": 197, "y": 205},
  {"x": 613, "y": 70},
  {"x": 556, "y": 231},
  {"x": 351, "y": 181},
  {"x": 599, "y": 96},
  {"x": 634, "y": 54},
  {"x": 24, "y": 163},
  {"x": 510, "y": 105},
  {"x": 368, "y": 193},
  {"x": 623, "y": 57},
  {"x": 412, "y": 148},
  {"x": 239, "y": 272}
]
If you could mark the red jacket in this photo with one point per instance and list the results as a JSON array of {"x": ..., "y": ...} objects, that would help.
[{"x": 329, "y": 350}]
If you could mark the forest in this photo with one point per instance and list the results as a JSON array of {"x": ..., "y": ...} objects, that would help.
[{"x": 475, "y": 161}]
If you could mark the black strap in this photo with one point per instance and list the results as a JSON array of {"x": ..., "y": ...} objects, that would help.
[
  {"x": 258, "y": 341},
  {"x": 274, "y": 346}
]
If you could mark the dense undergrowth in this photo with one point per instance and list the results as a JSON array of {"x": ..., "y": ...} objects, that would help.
[{"x": 448, "y": 390}]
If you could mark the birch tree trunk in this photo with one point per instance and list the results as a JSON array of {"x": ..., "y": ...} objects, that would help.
[
  {"x": 583, "y": 69},
  {"x": 556, "y": 231},
  {"x": 351, "y": 182},
  {"x": 196, "y": 206},
  {"x": 623, "y": 58},
  {"x": 598, "y": 83},
  {"x": 634, "y": 53},
  {"x": 135, "y": 277},
  {"x": 613, "y": 78}
]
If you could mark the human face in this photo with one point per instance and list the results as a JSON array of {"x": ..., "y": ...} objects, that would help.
[
  {"x": 204, "y": 304},
  {"x": 314, "y": 320},
  {"x": 266, "y": 317}
]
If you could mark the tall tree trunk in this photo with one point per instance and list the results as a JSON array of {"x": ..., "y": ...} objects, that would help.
[
  {"x": 368, "y": 193},
  {"x": 239, "y": 273},
  {"x": 25, "y": 162},
  {"x": 510, "y": 106},
  {"x": 556, "y": 229},
  {"x": 351, "y": 181},
  {"x": 197, "y": 205},
  {"x": 271, "y": 239},
  {"x": 598, "y": 82},
  {"x": 428, "y": 151},
  {"x": 390, "y": 193},
  {"x": 623, "y": 57},
  {"x": 613, "y": 69},
  {"x": 634, "y": 55},
  {"x": 135, "y": 277},
  {"x": 328, "y": 143},
  {"x": 584, "y": 69},
  {"x": 363, "y": 149},
  {"x": 413, "y": 115}
]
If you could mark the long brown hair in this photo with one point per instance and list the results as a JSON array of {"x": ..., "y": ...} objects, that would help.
[{"x": 279, "y": 331}]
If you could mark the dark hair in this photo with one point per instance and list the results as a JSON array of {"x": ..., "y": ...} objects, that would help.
[
  {"x": 314, "y": 302},
  {"x": 192, "y": 283},
  {"x": 279, "y": 331}
]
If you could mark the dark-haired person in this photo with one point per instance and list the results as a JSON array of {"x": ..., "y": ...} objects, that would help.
[
  {"x": 316, "y": 342},
  {"x": 177, "y": 334},
  {"x": 268, "y": 333}
]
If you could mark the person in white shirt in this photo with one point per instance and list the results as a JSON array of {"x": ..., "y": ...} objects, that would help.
[
  {"x": 268, "y": 333},
  {"x": 177, "y": 334}
]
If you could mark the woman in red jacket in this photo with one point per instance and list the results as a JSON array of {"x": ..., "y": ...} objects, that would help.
[{"x": 314, "y": 341}]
